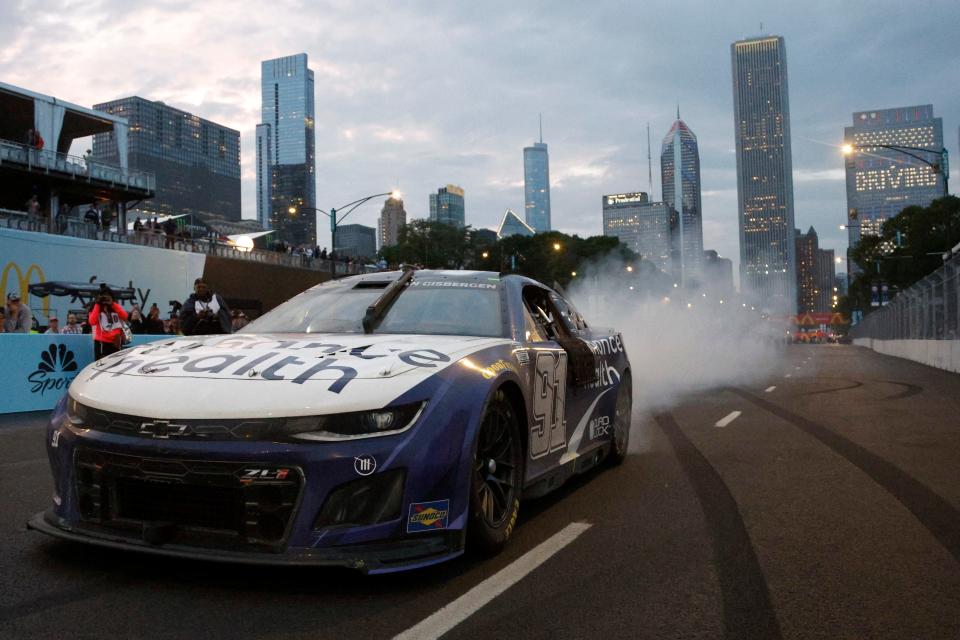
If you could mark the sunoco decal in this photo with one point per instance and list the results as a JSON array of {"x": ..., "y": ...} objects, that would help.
[{"x": 428, "y": 516}]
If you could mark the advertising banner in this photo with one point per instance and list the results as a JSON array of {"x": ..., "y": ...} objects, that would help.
[
  {"x": 38, "y": 368},
  {"x": 157, "y": 275}
]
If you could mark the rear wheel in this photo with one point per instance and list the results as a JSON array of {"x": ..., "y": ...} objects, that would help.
[
  {"x": 497, "y": 474},
  {"x": 621, "y": 421}
]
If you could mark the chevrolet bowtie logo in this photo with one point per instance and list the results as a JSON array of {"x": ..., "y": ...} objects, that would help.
[{"x": 162, "y": 429}]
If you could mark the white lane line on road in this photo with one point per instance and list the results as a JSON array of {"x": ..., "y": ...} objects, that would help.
[
  {"x": 789, "y": 375},
  {"x": 797, "y": 368},
  {"x": 769, "y": 389},
  {"x": 472, "y": 601},
  {"x": 733, "y": 415}
]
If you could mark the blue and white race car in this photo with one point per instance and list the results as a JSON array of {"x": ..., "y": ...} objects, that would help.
[{"x": 379, "y": 422}]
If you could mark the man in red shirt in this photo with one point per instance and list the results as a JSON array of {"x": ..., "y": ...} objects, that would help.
[{"x": 106, "y": 318}]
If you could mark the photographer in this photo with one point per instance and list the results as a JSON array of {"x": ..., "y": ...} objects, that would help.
[
  {"x": 106, "y": 318},
  {"x": 204, "y": 312}
]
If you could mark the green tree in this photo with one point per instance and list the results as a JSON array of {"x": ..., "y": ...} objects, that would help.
[{"x": 908, "y": 248}]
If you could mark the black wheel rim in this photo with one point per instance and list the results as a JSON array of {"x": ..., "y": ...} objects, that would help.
[
  {"x": 495, "y": 466},
  {"x": 621, "y": 428}
]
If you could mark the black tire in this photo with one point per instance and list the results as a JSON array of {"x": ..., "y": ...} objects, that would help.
[
  {"x": 496, "y": 476},
  {"x": 621, "y": 421}
]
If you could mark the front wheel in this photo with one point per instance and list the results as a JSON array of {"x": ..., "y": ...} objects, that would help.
[
  {"x": 497, "y": 474},
  {"x": 621, "y": 421}
]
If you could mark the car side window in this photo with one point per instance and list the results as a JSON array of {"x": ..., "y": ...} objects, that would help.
[
  {"x": 532, "y": 330},
  {"x": 538, "y": 306},
  {"x": 571, "y": 318}
]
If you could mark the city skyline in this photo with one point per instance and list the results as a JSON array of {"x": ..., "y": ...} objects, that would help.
[{"x": 377, "y": 129}]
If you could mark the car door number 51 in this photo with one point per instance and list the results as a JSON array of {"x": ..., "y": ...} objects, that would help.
[{"x": 549, "y": 430}]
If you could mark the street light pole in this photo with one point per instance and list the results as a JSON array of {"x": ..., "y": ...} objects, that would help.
[{"x": 334, "y": 221}]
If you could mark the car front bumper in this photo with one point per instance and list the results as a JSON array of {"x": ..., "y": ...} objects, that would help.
[{"x": 375, "y": 557}]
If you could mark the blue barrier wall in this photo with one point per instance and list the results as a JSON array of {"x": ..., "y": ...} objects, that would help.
[{"x": 36, "y": 369}]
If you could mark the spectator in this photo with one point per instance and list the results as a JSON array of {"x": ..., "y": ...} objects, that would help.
[
  {"x": 153, "y": 323},
  {"x": 62, "y": 216},
  {"x": 323, "y": 254},
  {"x": 3, "y": 318},
  {"x": 33, "y": 206},
  {"x": 17, "y": 315},
  {"x": 106, "y": 217},
  {"x": 173, "y": 326},
  {"x": 136, "y": 321},
  {"x": 106, "y": 318},
  {"x": 204, "y": 312},
  {"x": 88, "y": 160},
  {"x": 92, "y": 216},
  {"x": 53, "y": 326},
  {"x": 137, "y": 225},
  {"x": 238, "y": 320},
  {"x": 170, "y": 228},
  {"x": 72, "y": 327}
]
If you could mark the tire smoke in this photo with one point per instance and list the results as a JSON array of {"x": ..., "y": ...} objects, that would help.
[{"x": 679, "y": 342}]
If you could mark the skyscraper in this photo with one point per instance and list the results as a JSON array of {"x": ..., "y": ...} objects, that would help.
[
  {"x": 881, "y": 182},
  {"x": 643, "y": 226},
  {"x": 816, "y": 272},
  {"x": 764, "y": 172},
  {"x": 392, "y": 218},
  {"x": 196, "y": 161},
  {"x": 447, "y": 206},
  {"x": 286, "y": 169},
  {"x": 683, "y": 194},
  {"x": 536, "y": 185}
]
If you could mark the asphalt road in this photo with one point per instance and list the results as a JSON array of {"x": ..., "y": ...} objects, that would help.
[{"x": 828, "y": 508}]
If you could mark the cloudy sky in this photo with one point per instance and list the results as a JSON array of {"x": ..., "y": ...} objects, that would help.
[{"x": 421, "y": 94}]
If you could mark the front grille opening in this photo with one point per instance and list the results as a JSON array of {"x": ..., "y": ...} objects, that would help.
[
  {"x": 230, "y": 505},
  {"x": 219, "y": 508}
]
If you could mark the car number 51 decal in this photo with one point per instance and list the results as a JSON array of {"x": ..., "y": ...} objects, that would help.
[{"x": 549, "y": 430}]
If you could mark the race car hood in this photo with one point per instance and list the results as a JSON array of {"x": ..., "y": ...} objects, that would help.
[{"x": 260, "y": 375}]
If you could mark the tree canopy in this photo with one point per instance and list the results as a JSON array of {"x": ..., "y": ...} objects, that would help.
[
  {"x": 909, "y": 247},
  {"x": 548, "y": 257}
]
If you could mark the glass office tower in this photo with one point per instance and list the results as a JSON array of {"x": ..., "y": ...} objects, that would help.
[
  {"x": 881, "y": 182},
  {"x": 764, "y": 173},
  {"x": 642, "y": 225},
  {"x": 447, "y": 206},
  {"x": 196, "y": 161},
  {"x": 683, "y": 194},
  {"x": 285, "y": 150},
  {"x": 536, "y": 185}
]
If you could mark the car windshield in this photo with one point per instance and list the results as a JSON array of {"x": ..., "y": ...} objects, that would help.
[{"x": 444, "y": 306}]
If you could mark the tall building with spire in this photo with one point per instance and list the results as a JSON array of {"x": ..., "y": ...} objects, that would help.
[
  {"x": 536, "y": 184},
  {"x": 286, "y": 163},
  {"x": 681, "y": 191},
  {"x": 764, "y": 173}
]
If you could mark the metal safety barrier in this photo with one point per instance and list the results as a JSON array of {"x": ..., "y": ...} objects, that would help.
[{"x": 927, "y": 310}]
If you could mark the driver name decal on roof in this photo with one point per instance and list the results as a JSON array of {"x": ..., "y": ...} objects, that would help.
[{"x": 453, "y": 283}]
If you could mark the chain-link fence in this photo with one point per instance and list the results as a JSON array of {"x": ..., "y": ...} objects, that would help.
[{"x": 927, "y": 310}]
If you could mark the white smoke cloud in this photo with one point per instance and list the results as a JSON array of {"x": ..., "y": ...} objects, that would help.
[{"x": 678, "y": 342}]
